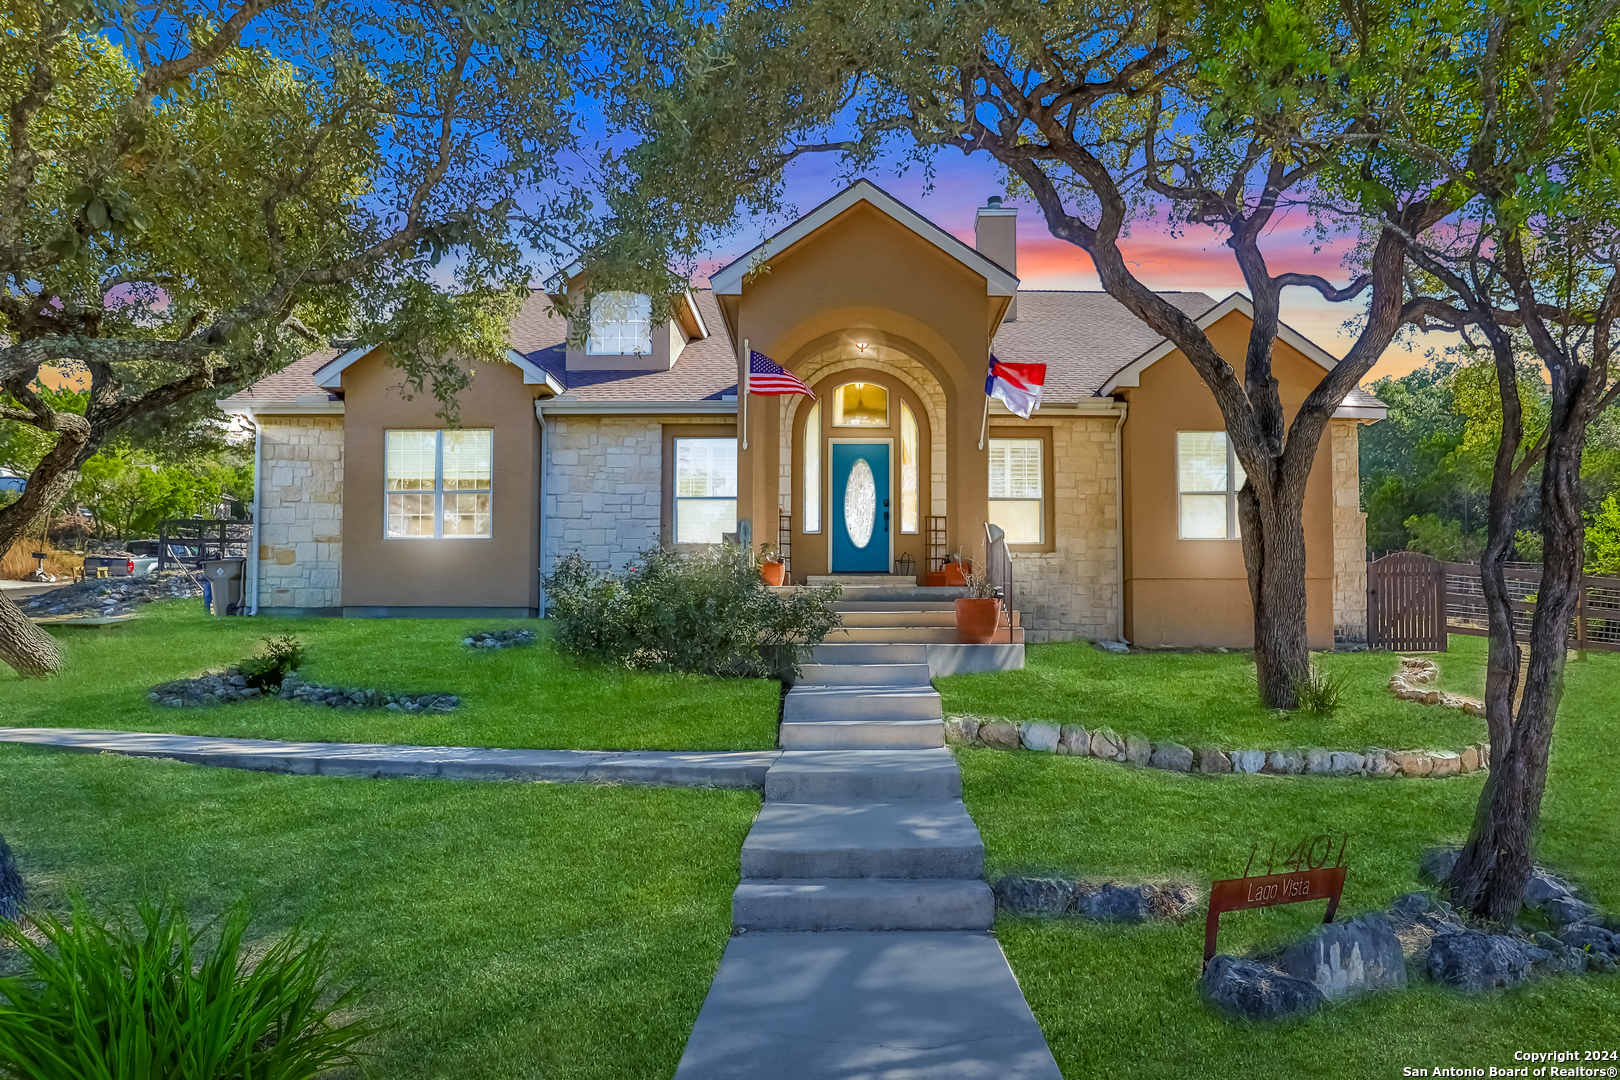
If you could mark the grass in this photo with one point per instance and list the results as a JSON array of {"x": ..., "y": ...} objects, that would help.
[
  {"x": 1209, "y": 699},
  {"x": 508, "y": 930},
  {"x": 524, "y": 697},
  {"x": 1123, "y": 1002}
]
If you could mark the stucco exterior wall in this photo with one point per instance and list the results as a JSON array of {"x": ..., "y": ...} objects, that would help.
[
  {"x": 1349, "y": 536},
  {"x": 300, "y": 514},
  {"x": 1072, "y": 590}
]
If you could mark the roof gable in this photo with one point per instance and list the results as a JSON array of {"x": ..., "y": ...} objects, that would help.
[
  {"x": 999, "y": 281},
  {"x": 330, "y": 374}
]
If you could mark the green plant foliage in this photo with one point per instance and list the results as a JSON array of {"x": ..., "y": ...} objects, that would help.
[
  {"x": 279, "y": 658},
  {"x": 104, "y": 999},
  {"x": 707, "y": 611},
  {"x": 1320, "y": 693},
  {"x": 1448, "y": 541},
  {"x": 1603, "y": 539}
]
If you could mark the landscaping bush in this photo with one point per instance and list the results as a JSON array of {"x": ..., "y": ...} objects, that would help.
[
  {"x": 1320, "y": 693},
  {"x": 278, "y": 659},
  {"x": 707, "y": 611},
  {"x": 104, "y": 1000}
]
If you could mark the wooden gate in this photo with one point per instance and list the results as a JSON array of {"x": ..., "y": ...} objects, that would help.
[{"x": 1406, "y": 603}]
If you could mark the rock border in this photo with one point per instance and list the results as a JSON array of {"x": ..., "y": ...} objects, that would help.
[
  {"x": 500, "y": 639},
  {"x": 1073, "y": 740},
  {"x": 1103, "y": 901},
  {"x": 1409, "y": 683},
  {"x": 230, "y": 686}
]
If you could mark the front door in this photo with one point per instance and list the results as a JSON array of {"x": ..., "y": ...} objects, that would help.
[{"x": 860, "y": 508}]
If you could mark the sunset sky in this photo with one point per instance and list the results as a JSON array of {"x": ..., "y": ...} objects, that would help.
[{"x": 1189, "y": 262}]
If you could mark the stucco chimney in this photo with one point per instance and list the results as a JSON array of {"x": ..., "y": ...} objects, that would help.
[{"x": 995, "y": 235}]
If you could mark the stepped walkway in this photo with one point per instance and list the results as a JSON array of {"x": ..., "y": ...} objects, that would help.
[{"x": 863, "y": 839}]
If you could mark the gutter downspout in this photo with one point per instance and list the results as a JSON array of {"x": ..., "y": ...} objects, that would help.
[
  {"x": 1119, "y": 522},
  {"x": 253, "y": 543},
  {"x": 539, "y": 414}
]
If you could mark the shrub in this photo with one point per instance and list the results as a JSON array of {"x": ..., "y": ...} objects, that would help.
[
  {"x": 279, "y": 658},
  {"x": 1319, "y": 692},
  {"x": 104, "y": 1000},
  {"x": 707, "y": 611}
]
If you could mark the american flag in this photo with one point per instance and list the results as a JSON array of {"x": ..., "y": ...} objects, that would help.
[{"x": 765, "y": 376}]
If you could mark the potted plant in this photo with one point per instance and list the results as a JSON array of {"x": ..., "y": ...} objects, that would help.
[
  {"x": 978, "y": 614},
  {"x": 956, "y": 572},
  {"x": 771, "y": 566}
]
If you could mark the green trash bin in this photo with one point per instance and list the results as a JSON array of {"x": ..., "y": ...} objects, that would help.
[{"x": 224, "y": 577}]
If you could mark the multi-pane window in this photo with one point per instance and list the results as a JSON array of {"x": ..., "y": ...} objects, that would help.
[
  {"x": 438, "y": 483},
  {"x": 910, "y": 479},
  {"x": 1016, "y": 496},
  {"x": 812, "y": 469},
  {"x": 705, "y": 490},
  {"x": 621, "y": 324},
  {"x": 1208, "y": 478}
]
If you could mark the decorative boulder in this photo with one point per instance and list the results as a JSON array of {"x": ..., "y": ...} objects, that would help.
[
  {"x": 1381, "y": 763},
  {"x": 1037, "y": 735},
  {"x": 1256, "y": 991},
  {"x": 1248, "y": 761},
  {"x": 956, "y": 730},
  {"x": 1033, "y": 896},
  {"x": 1116, "y": 903},
  {"x": 1417, "y": 919},
  {"x": 1555, "y": 898},
  {"x": 1106, "y": 745},
  {"x": 1601, "y": 947},
  {"x": 1437, "y": 863},
  {"x": 1318, "y": 760},
  {"x": 1113, "y": 646},
  {"x": 1138, "y": 751},
  {"x": 1212, "y": 760},
  {"x": 969, "y": 727},
  {"x": 1073, "y": 741},
  {"x": 1000, "y": 733},
  {"x": 13, "y": 897},
  {"x": 1285, "y": 763},
  {"x": 1343, "y": 959},
  {"x": 1445, "y": 763},
  {"x": 1412, "y": 762},
  {"x": 1556, "y": 957},
  {"x": 1346, "y": 763},
  {"x": 1171, "y": 756},
  {"x": 1469, "y": 759},
  {"x": 1476, "y": 961}
]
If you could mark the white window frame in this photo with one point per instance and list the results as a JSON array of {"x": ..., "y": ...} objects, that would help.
[
  {"x": 1235, "y": 478},
  {"x": 1040, "y": 475},
  {"x": 438, "y": 491},
  {"x": 676, "y": 498},
  {"x": 812, "y": 470},
  {"x": 633, "y": 329},
  {"x": 910, "y": 515}
]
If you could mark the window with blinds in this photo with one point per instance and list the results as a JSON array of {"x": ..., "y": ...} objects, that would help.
[
  {"x": 1208, "y": 478},
  {"x": 1017, "y": 498},
  {"x": 438, "y": 484},
  {"x": 705, "y": 490}
]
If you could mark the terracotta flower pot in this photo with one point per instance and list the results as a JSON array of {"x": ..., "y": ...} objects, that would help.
[
  {"x": 956, "y": 574},
  {"x": 772, "y": 572},
  {"x": 977, "y": 621}
]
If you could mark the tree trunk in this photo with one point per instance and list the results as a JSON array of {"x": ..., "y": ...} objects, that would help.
[
  {"x": 30, "y": 651},
  {"x": 1274, "y": 554}
]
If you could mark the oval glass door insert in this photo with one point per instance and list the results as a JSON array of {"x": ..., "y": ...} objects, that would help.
[{"x": 860, "y": 504}]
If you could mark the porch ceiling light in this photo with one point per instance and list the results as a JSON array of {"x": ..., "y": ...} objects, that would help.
[{"x": 863, "y": 345}]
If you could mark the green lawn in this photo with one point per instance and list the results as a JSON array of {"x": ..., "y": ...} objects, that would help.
[
  {"x": 1123, "y": 1002},
  {"x": 525, "y": 697},
  {"x": 1209, "y": 698},
  {"x": 509, "y": 930}
]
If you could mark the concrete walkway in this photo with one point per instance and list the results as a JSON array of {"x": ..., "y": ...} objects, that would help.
[
  {"x": 741, "y": 769},
  {"x": 861, "y": 947}
]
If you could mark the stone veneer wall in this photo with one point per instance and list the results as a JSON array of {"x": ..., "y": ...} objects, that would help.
[
  {"x": 1072, "y": 592},
  {"x": 300, "y": 512},
  {"x": 1349, "y": 536}
]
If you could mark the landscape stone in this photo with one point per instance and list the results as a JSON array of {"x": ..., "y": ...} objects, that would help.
[
  {"x": 1318, "y": 760},
  {"x": 1034, "y": 896},
  {"x": 1346, "y": 762},
  {"x": 999, "y": 733},
  {"x": 1172, "y": 756},
  {"x": 1038, "y": 735},
  {"x": 1412, "y": 762},
  {"x": 1106, "y": 745},
  {"x": 1256, "y": 991},
  {"x": 1416, "y": 919},
  {"x": 1074, "y": 741},
  {"x": 1248, "y": 761},
  {"x": 1437, "y": 863},
  {"x": 1601, "y": 947},
  {"x": 968, "y": 726},
  {"x": 1475, "y": 961},
  {"x": 1343, "y": 959},
  {"x": 1138, "y": 751},
  {"x": 1567, "y": 911},
  {"x": 1557, "y": 958},
  {"x": 1112, "y": 646},
  {"x": 1381, "y": 763},
  {"x": 955, "y": 731},
  {"x": 1115, "y": 903},
  {"x": 1284, "y": 763},
  {"x": 1445, "y": 763},
  {"x": 1212, "y": 760},
  {"x": 13, "y": 895}
]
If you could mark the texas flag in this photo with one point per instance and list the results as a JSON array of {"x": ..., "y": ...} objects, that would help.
[{"x": 1017, "y": 385}]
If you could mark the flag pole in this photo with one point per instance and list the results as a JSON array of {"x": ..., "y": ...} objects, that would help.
[
  {"x": 742, "y": 394},
  {"x": 984, "y": 425}
]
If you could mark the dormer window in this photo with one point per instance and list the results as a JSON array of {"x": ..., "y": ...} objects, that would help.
[{"x": 621, "y": 324}]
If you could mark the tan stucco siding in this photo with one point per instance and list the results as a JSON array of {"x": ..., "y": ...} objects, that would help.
[
  {"x": 1195, "y": 592},
  {"x": 501, "y": 571},
  {"x": 1349, "y": 535},
  {"x": 300, "y": 513},
  {"x": 1072, "y": 590}
]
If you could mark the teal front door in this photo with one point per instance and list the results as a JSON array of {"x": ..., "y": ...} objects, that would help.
[{"x": 860, "y": 508}]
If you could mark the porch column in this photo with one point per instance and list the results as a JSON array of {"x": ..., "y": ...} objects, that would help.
[
  {"x": 967, "y": 468},
  {"x": 757, "y": 479}
]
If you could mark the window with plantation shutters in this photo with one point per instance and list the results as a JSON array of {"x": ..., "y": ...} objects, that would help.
[
  {"x": 1208, "y": 478},
  {"x": 438, "y": 484},
  {"x": 1017, "y": 497}
]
